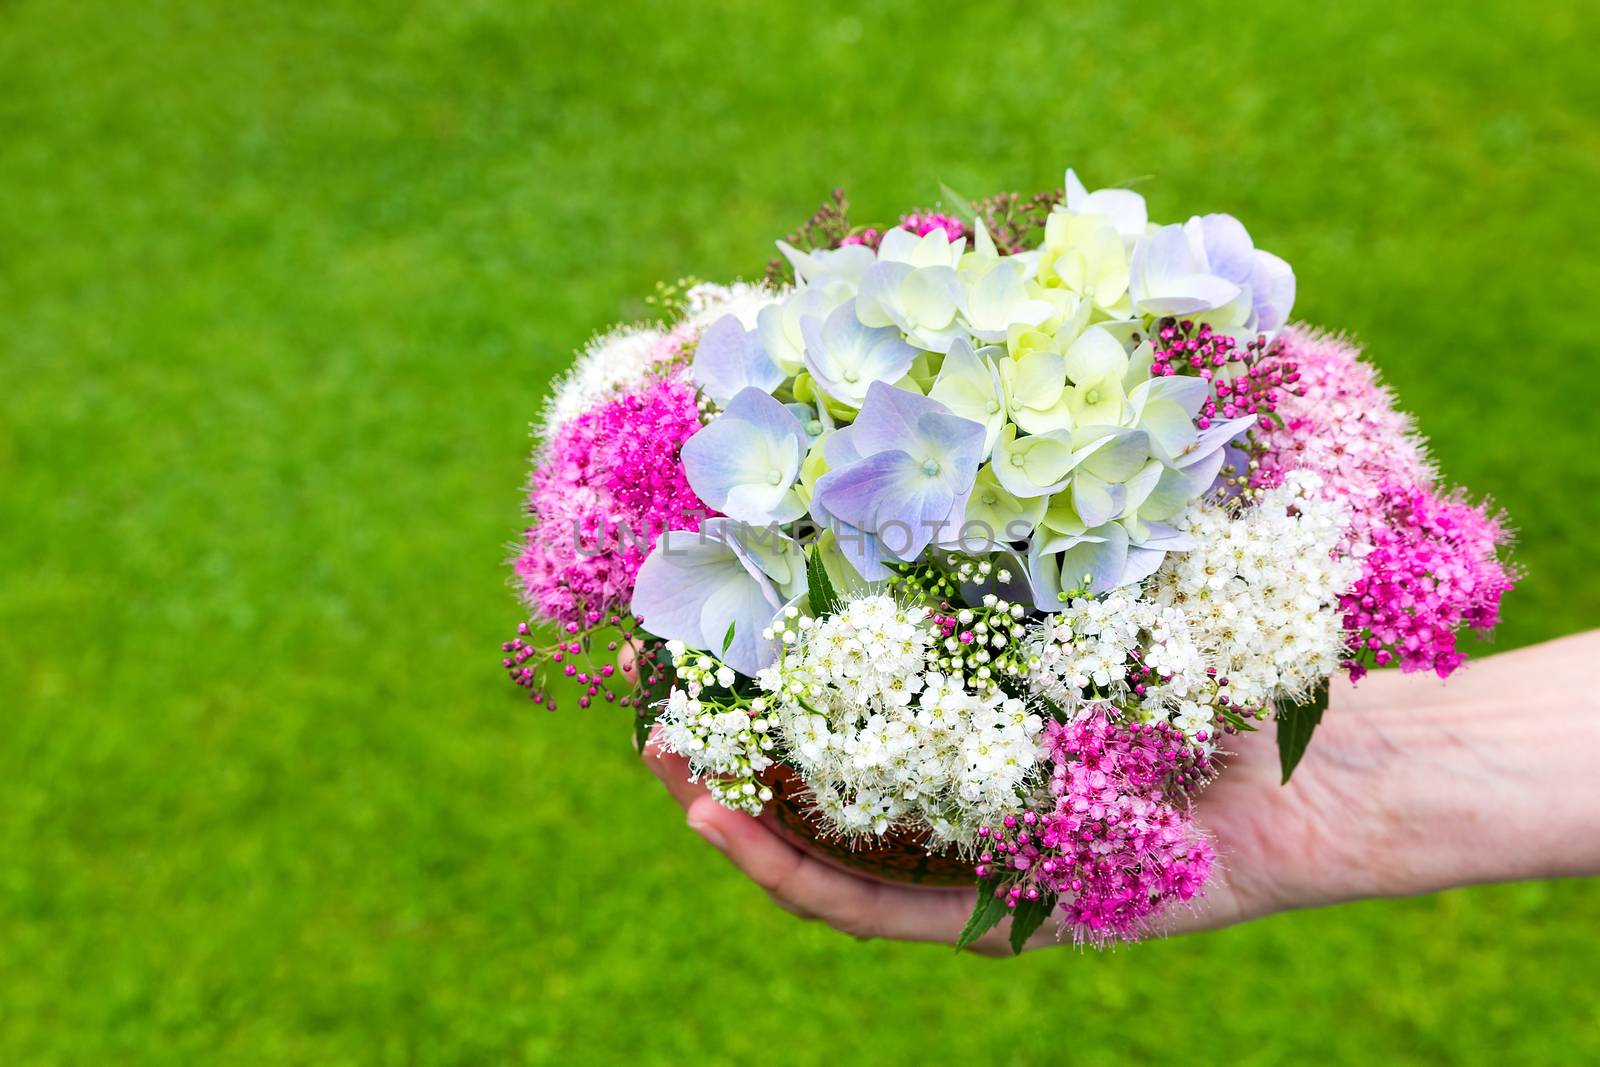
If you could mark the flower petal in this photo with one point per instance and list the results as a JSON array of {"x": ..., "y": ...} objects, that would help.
[
  {"x": 746, "y": 460},
  {"x": 890, "y": 495},
  {"x": 730, "y": 358},
  {"x": 1272, "y": 287}
]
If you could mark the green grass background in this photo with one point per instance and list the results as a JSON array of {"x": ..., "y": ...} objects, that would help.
[{"x": 280, "y": 288}]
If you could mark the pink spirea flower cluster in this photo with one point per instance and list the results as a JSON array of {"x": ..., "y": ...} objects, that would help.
[
  {"x": 608, "y": 484},
  {"x": 1433, "y": 567},
  {"x": 1120, "y": 845},
  {"x": 1431, "y": 560}
]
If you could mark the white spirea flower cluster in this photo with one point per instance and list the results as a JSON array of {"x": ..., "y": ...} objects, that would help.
[
  {"x": 883, "y": 736},
  {"x": 608, "y": 363},
  {"x": 1260, "y": 591},
  {"x": 726, "y": 741},
  {"x": 625, "y": 356},
  {"x": 706, "y": 302},
  {"x": 1125, "y": 650},
  {"x": 1248, "y": 617}
]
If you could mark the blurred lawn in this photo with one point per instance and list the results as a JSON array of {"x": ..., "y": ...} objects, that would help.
[{"x": 279, "y": 292}]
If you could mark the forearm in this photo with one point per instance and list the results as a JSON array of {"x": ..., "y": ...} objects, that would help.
[{"x": 1493, "y": 777}]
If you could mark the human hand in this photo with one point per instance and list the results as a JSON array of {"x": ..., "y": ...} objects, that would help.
[{"x": 1410, "y": 786}]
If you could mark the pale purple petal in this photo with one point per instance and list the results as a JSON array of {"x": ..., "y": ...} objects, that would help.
[
  {"x": 1118, "y": 456},
  {"x": 1228, "y": 247},
  {"x": 890, "y": 495},
  {"x": 955, "y": 444},
  {"x": 694, "y": 585},
  {"x": 1179, "y": 485},
  {"x": 1141, "y": 563},
  {"x": 1168, "y": 275},
  {"x": 1101, "y": 554},
  {"x": 879, "y": 285},
  {"x": 889, "y": 418},
  {"x": 1188, "y": 392},
  {"x": 1272, "y": 288},
  {"x": 860, "y": 548},
  {"x": 1214, "y": 437},
  {"x": 839, "y": 447},
  {"x": 846, "y": 357},
  {"x": 749, "y": 610},
  {"x": 730, "y": 358},
  {"x": 816, "y": 267},
  {"x": 747, "y": 459},
  {"x": 1044, "y": 576},
  {"x": 670, "y": 588}
]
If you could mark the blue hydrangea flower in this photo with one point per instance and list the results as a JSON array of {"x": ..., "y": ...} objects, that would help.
[
  {"x": 902, "y": 471},
  {"x": 730, "y": 358},
  {"x": 1230, "y": 254},
  {"x": 745, "y": 462},
  {"x": 695, "y": 585},
  {"x": 1171, "y": 275},
  {"x": 845, "y": 357}
]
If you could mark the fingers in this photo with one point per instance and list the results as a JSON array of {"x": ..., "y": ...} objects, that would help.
[
  {"x": 812, "y": 889},
  {"x": 851, "y": 904},
  {"x": 673, "y": 770}
]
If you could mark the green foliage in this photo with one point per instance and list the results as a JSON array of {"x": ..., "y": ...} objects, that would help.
[
  {"x": 280, "y": 288},
  {"x": 824, "y": 598},
  {"x": 957, "y": 205},
  {"x": 987, "y": 911},
  {"x": 1296, "y": 724},
  {"x": 1027, "y": 918}
]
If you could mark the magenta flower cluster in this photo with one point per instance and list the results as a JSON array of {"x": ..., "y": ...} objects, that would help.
[
  {"x": 1433, "y": 568},
  {"x": 609, "y": 483},
  {"x": 1431, "y": 560},
  {"x": 1264, "y": 370},
  {"x": 1120, "y": 845},
  {"x": 919, "y": 223}
]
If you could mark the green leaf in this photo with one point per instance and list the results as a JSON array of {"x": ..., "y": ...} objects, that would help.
[
  {"x": 1296, "y": 722},
  {"x": 959, "y": 205},
  {"x": 727, "y": 638},
  {"x": 824, "y": 597},
  {"x": 986, "y": 913},
  {"x": 1027, "y": 918}
]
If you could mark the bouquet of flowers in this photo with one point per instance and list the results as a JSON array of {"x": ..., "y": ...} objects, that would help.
[{"x": 958, "y": 549}]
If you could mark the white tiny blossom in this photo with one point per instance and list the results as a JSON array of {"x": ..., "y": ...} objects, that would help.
[
  {"x": 1260, "y": 591},
  {"x": 727, "y": 746},
  {"x": 885, "y": 738},
  {"x": 608, "y": 363},
  {"x": 1248, "y": 617},
  {"x": 707, "y": 302}
]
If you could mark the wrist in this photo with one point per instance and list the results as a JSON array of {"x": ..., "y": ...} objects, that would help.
[{"x": 1489, "y": 778}]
